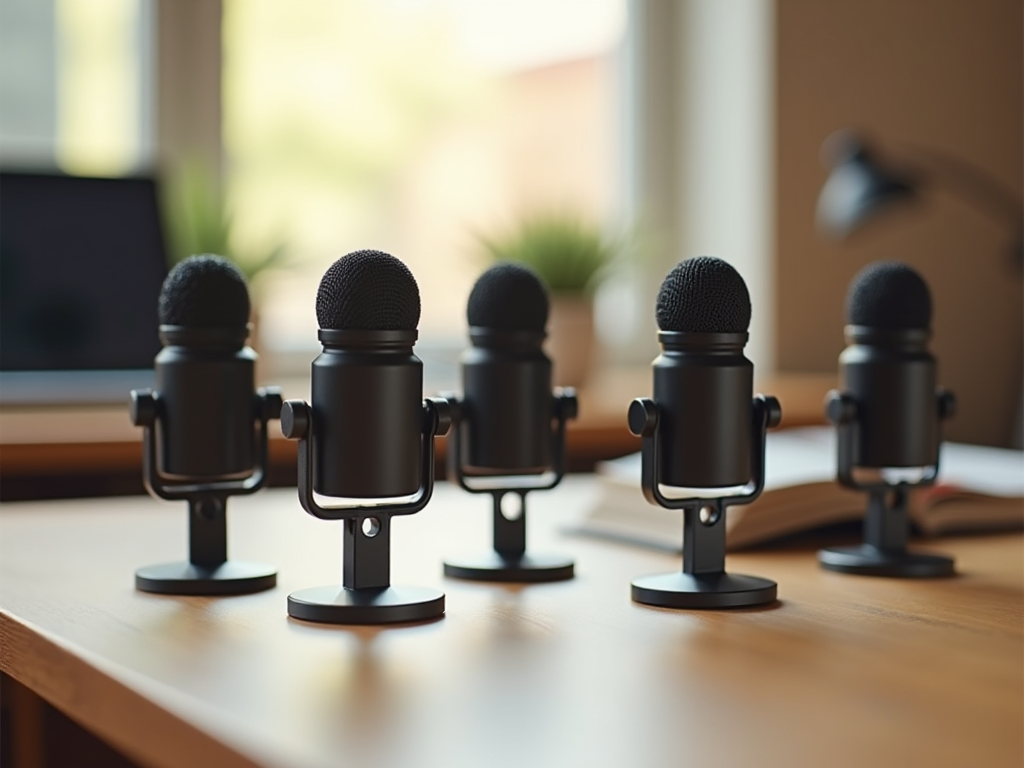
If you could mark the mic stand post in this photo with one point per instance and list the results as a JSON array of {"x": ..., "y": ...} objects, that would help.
[
  {"x": 365, "y": 595},
  {"x": 886, "y": 521},
  {"x": 509, "y": 561},
  {"x": 703, "y": 581},
  {"x": 208, "y": 570}
]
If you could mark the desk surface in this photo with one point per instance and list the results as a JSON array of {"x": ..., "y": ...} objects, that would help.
[{"x": 843, "y": 671}]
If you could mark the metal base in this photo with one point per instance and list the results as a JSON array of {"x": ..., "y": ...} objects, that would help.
[
  {"x": 229, "y": 578},
  {"x": 709, "y": 590},
  {"x": 386, "y": 605},
  {"x": 868, "y": 560},
  {"x": 526, "y": 568}
]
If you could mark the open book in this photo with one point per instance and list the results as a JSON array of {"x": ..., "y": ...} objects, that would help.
[{"x": 978, "y": 488}]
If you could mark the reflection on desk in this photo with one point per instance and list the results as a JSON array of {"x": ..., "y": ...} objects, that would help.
[{"x": 844, "y": 671}]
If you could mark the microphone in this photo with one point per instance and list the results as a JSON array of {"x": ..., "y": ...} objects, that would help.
[
  {"x": 888, "y": 418},
  {"x": 703, "y": 432},
  {"x": 366, "y": 434},
  {"x": 509, "y": 427},
  {"x": 204, "y": 427}
]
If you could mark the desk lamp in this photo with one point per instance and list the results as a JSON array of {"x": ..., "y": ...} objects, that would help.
[{"x": 860, "y": 187}]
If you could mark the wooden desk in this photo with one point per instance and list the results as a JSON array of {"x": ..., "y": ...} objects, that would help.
[{"x": 844, "y": 671}]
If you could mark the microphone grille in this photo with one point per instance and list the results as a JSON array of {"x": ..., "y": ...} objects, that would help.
[
  {"x": 368, "y": 291},
  {"x": 704, "y": 295},
  {"x": 204, "y": 291},
  {"x": 889, "y": 295},
  {"x": 508, "y": 297}
]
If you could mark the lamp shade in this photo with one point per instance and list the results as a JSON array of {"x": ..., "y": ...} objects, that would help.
[{"x": 857, "y": 187}]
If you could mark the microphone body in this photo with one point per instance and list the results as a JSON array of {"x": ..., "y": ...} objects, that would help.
[
  {"x": 704, "y": 386},
  {"x": 205, "y": 425},
  {"x": 367, "y": 404},
  {"x": 206, "y": 382},
  {"x": 893, "y": 379},
  {"x": 366, "y": 434},
  {"x": 887, "y": 416},
  {"x": 506, "y": 422},
  {"x": 703, "y": 430}
]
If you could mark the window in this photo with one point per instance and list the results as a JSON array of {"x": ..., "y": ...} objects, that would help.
[
  {"x": 412, "y": 127},
  {"x": 75, "y": 85}
]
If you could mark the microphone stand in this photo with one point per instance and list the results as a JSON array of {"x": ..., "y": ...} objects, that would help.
[
  {"x": 366, "y": 595},
  {"x": 509, "y": 561},
  {"x": 703, "y": 581},
  {"x": 208, "y": 570},
  {"x": 886, "y": 523}
]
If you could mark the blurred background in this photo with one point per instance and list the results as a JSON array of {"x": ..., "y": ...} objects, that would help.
[{"x": 647, "y": 131}]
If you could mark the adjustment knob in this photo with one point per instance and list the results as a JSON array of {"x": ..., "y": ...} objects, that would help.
[
  {"x": 840, "y": 408},
  {"x": 142, "y": 408},
  {"x": 773, "y": 410},
  {"x": 439, "y": 412},
  {"x": 947, "y": 404},
  {"x": 567, "y": 405},
  {"x": 643, "y": 417},
  {"x": 270, "y": 402},
  {"x": 295, "y": 419}
]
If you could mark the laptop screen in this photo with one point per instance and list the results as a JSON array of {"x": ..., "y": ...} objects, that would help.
[{"x": 81, "y": 265}]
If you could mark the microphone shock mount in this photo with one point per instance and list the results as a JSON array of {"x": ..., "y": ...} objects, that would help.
[
  {"x": 366, "y": 595},
  {"x": 208, "y": 570},
  {"x": 703, "y": 581},
  {"x": 509, "y": 560},
  {"x": 886, "y": 522}
]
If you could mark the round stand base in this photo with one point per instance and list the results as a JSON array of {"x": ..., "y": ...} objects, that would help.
[
  {"x": 868, "y": 560},
  {"x": 387, "y": 605},
  {"x": 229, "y": 578},
  {"x": 493, "y": 566},
  {"x": 709, "y": 590}
]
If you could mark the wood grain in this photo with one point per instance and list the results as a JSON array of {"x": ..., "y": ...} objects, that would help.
[{"x": 844, "y": 671}]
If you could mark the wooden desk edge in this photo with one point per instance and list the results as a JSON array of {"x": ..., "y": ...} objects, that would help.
[{"x": 98, "y": 701}]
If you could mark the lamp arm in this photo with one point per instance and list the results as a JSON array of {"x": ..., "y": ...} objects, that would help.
[{"x": 973, "y": 185}]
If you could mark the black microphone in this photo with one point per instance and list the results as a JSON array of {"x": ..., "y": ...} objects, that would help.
[
  {"x": 888, "y": 417},
  {"x": 703, "y": 432},
  {"x": 509, "y": 425},
  {"x": 201, "y": 423},
  {"x": 367, "y": 434}
]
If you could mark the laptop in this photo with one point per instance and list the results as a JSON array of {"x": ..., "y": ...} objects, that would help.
[{"x": 82, "y": 261}]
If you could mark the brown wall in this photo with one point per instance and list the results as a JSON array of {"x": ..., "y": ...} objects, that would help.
[{"x": 943, "y": 74}]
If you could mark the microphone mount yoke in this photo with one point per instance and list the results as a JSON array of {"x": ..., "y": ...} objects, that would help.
[
  {"x": 208, "y": 570},
  {"x": 366, "y": 595},
  {"x": 886, "y": 522},
  {"x": 509, "y": 561},
  {"x": 703, "y": 581}
]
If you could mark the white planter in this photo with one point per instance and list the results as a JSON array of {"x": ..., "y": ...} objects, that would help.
[{"x": 570, "y": 341}]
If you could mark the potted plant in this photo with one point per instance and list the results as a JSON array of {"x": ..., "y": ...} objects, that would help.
[
  {"x": 199, "y": 221},
  {"x": 569, "y": 254}
]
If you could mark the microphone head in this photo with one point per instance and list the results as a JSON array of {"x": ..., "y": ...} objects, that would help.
[
  {"x": 704, "y": 295},
  {"x": 368, "y": 291},
  {"x": 889, "y": 295},
  {"x": 508, "y": 297},
  {"x": 204, "y": 291}
]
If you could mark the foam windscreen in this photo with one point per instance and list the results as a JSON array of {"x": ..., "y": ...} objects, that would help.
[
  {"x": 204, "y": 292},
  {"x": 508, "y": 297},
  {"x": 368, "y": 291},
  {"x": 889, "y": 295},
  {"x": 703, "y": 295}
]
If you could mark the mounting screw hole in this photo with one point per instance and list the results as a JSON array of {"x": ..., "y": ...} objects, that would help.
[
  {"x": 709, "y": 515},
  {"x": 511, "y": 506},
  {"x": 208, "y": 509},
  {"x": 371, "y": 527}
]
